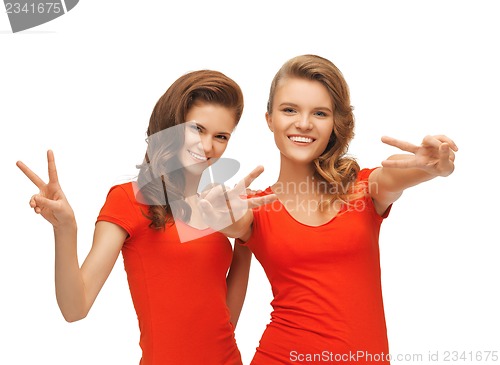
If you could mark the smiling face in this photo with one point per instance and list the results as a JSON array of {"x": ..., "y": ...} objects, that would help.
[
  {"x": 301, "y": 119},
  {"x": 207, "y": 132}
]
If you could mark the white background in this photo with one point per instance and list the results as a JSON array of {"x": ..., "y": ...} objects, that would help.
[{"x": 85, "y": 84}]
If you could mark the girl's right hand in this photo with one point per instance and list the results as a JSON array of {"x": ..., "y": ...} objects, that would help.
[{"x": 50, "y": 202}]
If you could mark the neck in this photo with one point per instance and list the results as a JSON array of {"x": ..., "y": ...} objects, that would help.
[
  {"x": 295, "y": 178},
  {"x": 192, "y": 182}
]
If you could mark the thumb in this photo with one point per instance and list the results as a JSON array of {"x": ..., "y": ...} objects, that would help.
[{"x": 45, "y": 203}]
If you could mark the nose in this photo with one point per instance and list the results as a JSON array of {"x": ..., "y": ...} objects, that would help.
[
  {"x": 303, "y": 122},
  {"x": 205, "y": 145}
]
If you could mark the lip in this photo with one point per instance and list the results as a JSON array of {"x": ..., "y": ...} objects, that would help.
[
  {"x": 197, "y": 157},
  {"x": 301, "y": 136}
]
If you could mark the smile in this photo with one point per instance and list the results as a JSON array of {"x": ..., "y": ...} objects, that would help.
[
  {"x": 301, "y": 139},
  {"x": 197, "y": 156}
]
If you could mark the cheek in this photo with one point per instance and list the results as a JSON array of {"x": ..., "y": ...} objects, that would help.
[
  {"x": 279, "y": 139},
  {"x": 279, "y": 130},
  {"x": 220, "y": 148},
  {"x": 326, "y": 132},
  {"x": 191, "y": 139}
]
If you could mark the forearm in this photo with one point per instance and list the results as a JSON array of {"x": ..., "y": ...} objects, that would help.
[
  {"x": 237, "y": 281},
  {"x": 70, "y": 288}
]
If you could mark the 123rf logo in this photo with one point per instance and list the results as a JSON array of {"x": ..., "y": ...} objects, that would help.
[{"x": 26, "y": 14}]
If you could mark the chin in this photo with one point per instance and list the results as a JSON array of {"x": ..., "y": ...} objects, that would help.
[
  {"x": 301, "y": 158},
  {"x": 196, "y": 168}
]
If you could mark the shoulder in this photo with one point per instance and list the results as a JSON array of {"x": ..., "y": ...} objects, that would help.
[
  {"x": 127, "y": 192},
  {"x": 125, "y": 188},
  {"x": 368, "y": 183},
  {"x": 123, "y": 198},
  {"x": 265, "y": 192},
  {"x": 365, "y": 173},
  {"x": 122, "y": 208},
  {"x": 266, "y": 207},
  {"x": 360, "y": 187}
]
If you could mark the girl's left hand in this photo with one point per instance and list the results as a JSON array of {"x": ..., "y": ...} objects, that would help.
[
  {"x": 436, "y": 155},
  {"x": 222, "y": 207}
]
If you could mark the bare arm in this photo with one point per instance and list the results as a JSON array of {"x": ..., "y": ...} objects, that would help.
[
  {"x": 237, "y": 280},
  {"x": 434, "y": 157},
  {"x": 76, "y": 288}
]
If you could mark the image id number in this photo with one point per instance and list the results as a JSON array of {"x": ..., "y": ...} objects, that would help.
[
  {"x": 475, "y": 356},
  {"x": 41, "y": 8}
]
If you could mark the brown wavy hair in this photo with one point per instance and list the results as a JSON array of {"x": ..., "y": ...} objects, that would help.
[
  {"x": 205, "y": 86},
  {"x": 333, "y": 166}
]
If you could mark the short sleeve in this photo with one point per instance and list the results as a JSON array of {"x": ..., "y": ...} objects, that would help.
[
  {"x": 363, "y": 176},
  {"x": 119, "y": 208}
]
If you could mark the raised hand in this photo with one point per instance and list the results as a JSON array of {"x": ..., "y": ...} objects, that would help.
[
  {"x": 221, "y": 206},
  {"x": 436, "y": 155},
  {"x": 50, "y": 202}
]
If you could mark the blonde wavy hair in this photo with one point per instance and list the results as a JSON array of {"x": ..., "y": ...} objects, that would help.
[{"x": 333, "y": 166}]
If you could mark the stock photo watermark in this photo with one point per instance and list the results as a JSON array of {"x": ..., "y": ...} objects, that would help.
[
  {"x": 27, "y": 14},
  {"x": 179, "y": 178},
  {"x": 436, "y": 356}
]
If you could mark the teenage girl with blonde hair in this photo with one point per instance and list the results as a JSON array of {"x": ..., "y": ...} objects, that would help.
[{"x": 318, "y": 243}]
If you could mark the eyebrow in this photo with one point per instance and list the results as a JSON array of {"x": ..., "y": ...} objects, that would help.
[
  {"x": 296, "y": 106},
  {"x": 203, "y": 128}
]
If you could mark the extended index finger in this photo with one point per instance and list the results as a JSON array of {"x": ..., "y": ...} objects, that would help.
[
  {"x": 30, "y": 174},
  {"x": 402, "y": 145}
]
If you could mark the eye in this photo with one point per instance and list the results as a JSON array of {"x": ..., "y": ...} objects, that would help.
[
  {"x": 320, "y": 114},
  {"x": 222, "y": 137},
  {"x": 288, "y": 110},
  {"x": 195, "y": 127}
]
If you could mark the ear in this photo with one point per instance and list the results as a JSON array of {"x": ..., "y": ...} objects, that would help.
[{"x": 269, "y": 120}]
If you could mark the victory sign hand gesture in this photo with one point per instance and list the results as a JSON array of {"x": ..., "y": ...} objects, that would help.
[
  {"x": 50, "y": 202},
  {"x": 221, "y": 207},
  {"x": 436, "y": 155}
]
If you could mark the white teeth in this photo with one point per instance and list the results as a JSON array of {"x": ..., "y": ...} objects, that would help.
[
  {"x": 300, "y": 139},
  {"x": 198, "y": 157}
]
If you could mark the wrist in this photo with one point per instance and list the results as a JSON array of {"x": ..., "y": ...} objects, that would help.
[{"x": 68, "y": 226}]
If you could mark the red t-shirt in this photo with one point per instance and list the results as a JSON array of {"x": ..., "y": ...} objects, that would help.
[
  {"x": 327, "y": 305},
  {"x": 178, "y": 289}
]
